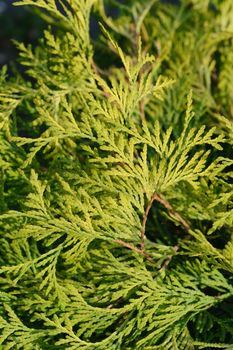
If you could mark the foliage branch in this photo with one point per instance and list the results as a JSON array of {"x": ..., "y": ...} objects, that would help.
[{"x": 116, "y": 183}]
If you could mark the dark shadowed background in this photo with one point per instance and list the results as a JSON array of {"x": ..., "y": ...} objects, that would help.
[
  {"x": 22, "y": 24},
  {"x": 19, "y": 24}
]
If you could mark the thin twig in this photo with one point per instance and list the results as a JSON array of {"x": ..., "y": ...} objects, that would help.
[
  {"x": 172, "y": 211},
  {"x": 135, "y": 249},
  {"x": 94, "y": 67},
  {"x": 168, "y": 260},
  {"x": 168, "y": 206},
  {"x": 141, "y": 250},
  {"x": 178, "y": 217},
  {"x": 97, "y": 72},
  {"x": 142, "y": 110},
  {"x": 144, "y": 220}
]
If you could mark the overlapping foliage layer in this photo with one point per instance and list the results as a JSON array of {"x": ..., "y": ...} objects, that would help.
[{"x": 116, "y": 181}]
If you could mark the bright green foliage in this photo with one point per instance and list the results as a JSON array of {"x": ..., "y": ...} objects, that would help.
[{"x": 116, "y": 190}]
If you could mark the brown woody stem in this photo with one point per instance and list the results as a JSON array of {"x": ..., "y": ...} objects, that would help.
[
  {"x": 141, "y": 250},
  {"x": 144, "y": 220},
  {"x": 173, "y": 212},
  {"x": 170, "y": 209},
  {"x": 135, "y": 249},
  {"x": 167, "y": 262},
  {"x": 142, "y": 110}
]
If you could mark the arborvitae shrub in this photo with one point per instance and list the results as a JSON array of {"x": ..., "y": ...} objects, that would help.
[{"x": 116, "y": 179}]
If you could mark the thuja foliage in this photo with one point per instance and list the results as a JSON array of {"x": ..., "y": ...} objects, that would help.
[{"x": 116, "y": 179}]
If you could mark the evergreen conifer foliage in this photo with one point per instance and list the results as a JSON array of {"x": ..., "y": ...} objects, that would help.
[{"x": 116, "y": 179}]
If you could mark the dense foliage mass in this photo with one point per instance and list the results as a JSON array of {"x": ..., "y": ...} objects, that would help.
[{"x": 116, "y": 179}]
